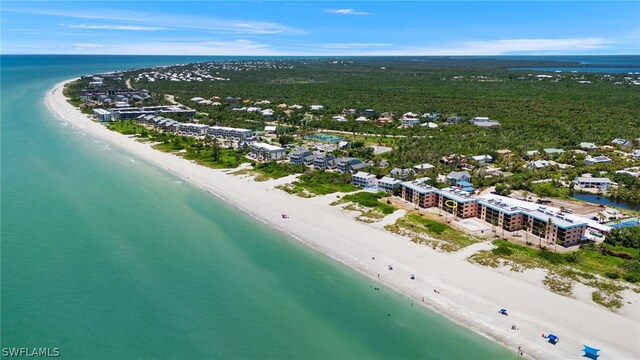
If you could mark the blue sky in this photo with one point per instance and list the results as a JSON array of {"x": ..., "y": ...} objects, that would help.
[{"x": 320, "y": 28}]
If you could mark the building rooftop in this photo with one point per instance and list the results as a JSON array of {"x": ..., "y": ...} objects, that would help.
[
  {"x": 456, "y": 194},
  {"x": 267, "y": 146}
]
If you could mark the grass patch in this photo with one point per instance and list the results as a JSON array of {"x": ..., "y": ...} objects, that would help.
[
  {"x": 369, "y": 200},
  {"x": 610, "y": 300},
  {"x": 589, "y": 266},
  {"x": 368, "y": 204},
  {"x": 276, "y": 170},
  {"x": 321, "y": 183},
  {"x": 433, "y": 233},
  {"x": 558, "y": 284}
]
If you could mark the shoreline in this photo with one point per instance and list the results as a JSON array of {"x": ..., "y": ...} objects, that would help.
[{"x": 469, "y": 294}]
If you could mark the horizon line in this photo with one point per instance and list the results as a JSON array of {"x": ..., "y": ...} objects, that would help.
[{"x": 317, "y": 55}]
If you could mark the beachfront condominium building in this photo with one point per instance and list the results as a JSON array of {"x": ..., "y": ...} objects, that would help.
[
  {"x": 363, "y": 179},
  {"x": 554, "y": 227},
  {"x": 193, "y": 129},
  {"x": 102, "y": 114},
  {"x": 128, "y": 113},
  {"x": 389, "y": 184},
  {"x": 593, "y": 183},
  {"x": 418, "y": 193},
  {"x": 457, "y": 202},
  {"x": 229, "y": 132},
  {"x": 506, "y": 213},
  {"x": 267, "y": 152}
]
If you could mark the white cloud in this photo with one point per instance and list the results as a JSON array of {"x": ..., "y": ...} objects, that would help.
[
  {"x": 235, "y": 47},
  {"x": 496, "y": 47},
  {"x": 510, "y": 46},
  {"x": 160, "y": 20},
  {"x": 345, "y": 12},
  {"x": 116, "y": 27}
]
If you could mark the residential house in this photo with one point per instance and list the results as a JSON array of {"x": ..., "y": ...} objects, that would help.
[
  {"x": 430, "y": 125},
  {"x": 553, "y": 151},
  {"x": 423, "y": 167},
  {"x": 597, "y": 160},
  {"x": 267, "y": 152},
  {"x": 484, "y": 122},
  {"x": 389, "y": 184},
  {"x": 197, "y": 99},
  {"x": 398, "y": 173},
  {"x": 593, "y": 183},
  {"x": 384, "y": 120},
  {"x": 532, "y": 153},
  {"x": 504, "y": 153},
  {"x": 362, "y": 119},
  {"x": 482, "y": 159},
  {"x": 588, "y": 145},
  {"x": 636, "y": 153},
  {"x": 316, "y": 107},
  {"x": 324, "y": 161},
  {"x": 410, "y": 119},
  {"x": 455, "y": 177},
  {"x": 297, "y": 156},
  {"x": 537, "y": 164},
  {"x": 454, "y": 160},
  {"x": 363, "y": 179},
  {"x": 339, "y": 118},
  {"x": 348, "y": 165},
  {"x": 454, "y": 119},
  {"x": 102, "y": 115},
  {"x": 368, "y": 112},
  {"x": 343, "y": 145},
  {"x": 269, "y": 129},
  {"x": 621, "y": 142}
]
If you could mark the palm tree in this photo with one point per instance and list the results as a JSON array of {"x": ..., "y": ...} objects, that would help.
[
  {"x": 547, "y": 228},
  {"x": 494, "y": 222},
  {"x": 540, "y": 229}
]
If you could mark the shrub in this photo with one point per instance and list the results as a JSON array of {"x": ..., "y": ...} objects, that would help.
[
  {"x": 612, "y": 275},
  {"x": 551, "y": 257},
  {"x": 502, "y": 250}
]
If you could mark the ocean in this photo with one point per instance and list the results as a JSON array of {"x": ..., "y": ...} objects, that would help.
[{"x": 105, "y": 256}]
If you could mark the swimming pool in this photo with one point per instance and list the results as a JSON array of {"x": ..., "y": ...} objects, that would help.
[
  {"x": 624, "y": 223},
  {"x": 325, "y": 137}
]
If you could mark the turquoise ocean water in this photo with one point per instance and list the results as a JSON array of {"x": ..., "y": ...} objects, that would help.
[{"x": 105, "y": 256}]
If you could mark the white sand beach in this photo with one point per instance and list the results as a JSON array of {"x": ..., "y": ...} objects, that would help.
[{"x": 469, "y": 294}]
